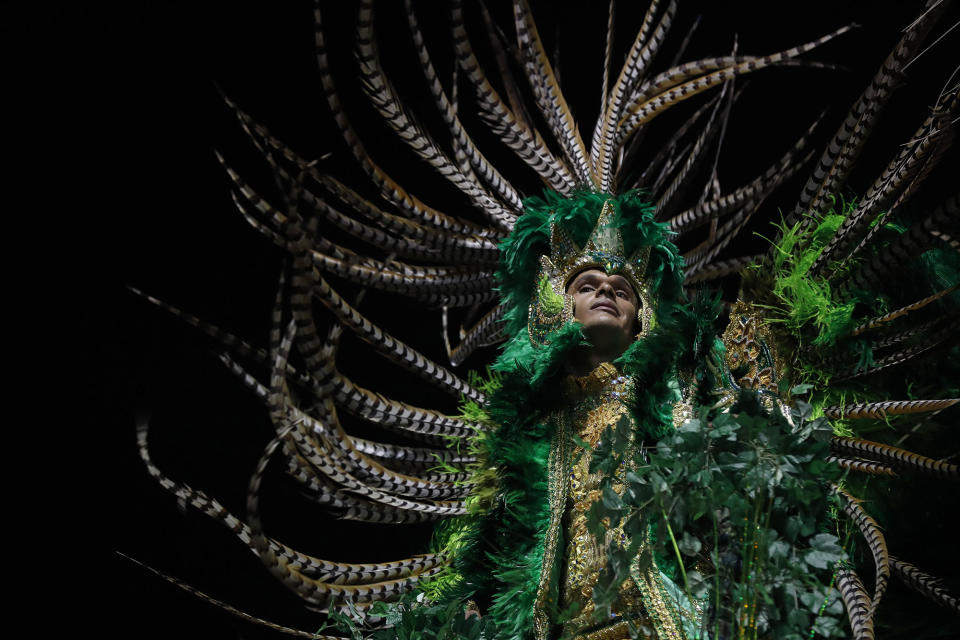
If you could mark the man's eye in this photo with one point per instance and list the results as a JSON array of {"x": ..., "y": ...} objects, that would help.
[
  {"x": 585, "y": 287},
  {"x": 623, "y": 294}
]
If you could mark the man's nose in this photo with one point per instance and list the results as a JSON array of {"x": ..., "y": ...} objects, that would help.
[{"x": 606, "y": 289}]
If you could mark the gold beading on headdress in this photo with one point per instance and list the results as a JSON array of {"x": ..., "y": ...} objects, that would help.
[{"x": 551, "y": 307}]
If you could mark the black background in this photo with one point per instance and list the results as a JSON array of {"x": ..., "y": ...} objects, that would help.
[{"x": 120, "y": 109}]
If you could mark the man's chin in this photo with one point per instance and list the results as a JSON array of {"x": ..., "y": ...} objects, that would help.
[
  {"x": 602, "y": 321},
  {"x": 606, "y": 334}
]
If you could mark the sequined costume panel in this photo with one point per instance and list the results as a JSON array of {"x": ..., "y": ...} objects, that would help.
[
  {"x": 603, "y": 396},
  {"x": 596, "y": 402}
]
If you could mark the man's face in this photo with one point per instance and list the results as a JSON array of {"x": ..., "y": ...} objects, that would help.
[{"x": 606, "y": 305}]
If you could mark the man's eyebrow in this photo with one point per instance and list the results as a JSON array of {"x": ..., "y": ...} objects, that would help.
[{"x": 585, "y": 276}]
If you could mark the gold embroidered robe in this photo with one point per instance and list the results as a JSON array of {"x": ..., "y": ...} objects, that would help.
[{"x": 573, "y": 557}]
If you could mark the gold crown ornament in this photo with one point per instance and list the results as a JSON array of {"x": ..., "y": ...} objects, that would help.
[{"x": 551, "y": 307}]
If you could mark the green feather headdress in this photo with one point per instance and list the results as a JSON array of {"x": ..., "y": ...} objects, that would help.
[{"x": 558, "y": 237}]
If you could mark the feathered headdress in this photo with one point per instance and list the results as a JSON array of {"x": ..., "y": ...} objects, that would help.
[{"x": 558, "y": 237}]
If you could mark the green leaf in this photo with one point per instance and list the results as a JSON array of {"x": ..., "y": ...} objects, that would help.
[
  {"x": 595, "y": 515},
  {"x": 802, "y": 410},
  {"x": 825, "y": 542},
  {"x": 778, "y": 550},
  {"x": 620, "y": 561},
  {"x": 659, "y": 483},
  {"x": 801, "y": 389},
  {"x": 834, "y": 604},
  {"x": 699, "y": 585},
  {"x": 698, "y": 504},
  {"x": 828, "y": 627},
  {"x": 636, "y": 527},
  {"x": 724, "y": 430},
  {"x": 812, "y": 600},
  {"x": 689, "y": 545},
  {"x": 797, "y": 617},
  {"x": 793, "y": 526},
  {"x": 820, "y": 559},
  {"x": 821, "y": 430},
  {"x": 622, "y": 434},
  {"x": 690, "y": 426},
  {"x": 580, "y": 442},
  {"x": 611, "y": 500}
]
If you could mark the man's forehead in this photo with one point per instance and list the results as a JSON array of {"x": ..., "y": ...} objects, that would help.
[{"x": 599, "y": 274}]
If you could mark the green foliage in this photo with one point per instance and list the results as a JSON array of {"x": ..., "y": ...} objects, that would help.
[
  {"x": 820, "y": 323},
  {"x": 806, "y": 301},
  {"x": 807, "y": 307},
  {"x": 452, "y": 537},
  {"x": 470, "y": 410},
  {"x": 413, "y": 617},
  {"x": 734, "y": 506}
]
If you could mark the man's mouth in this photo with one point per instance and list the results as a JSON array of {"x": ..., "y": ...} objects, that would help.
[{"x": 608, "y": 306}]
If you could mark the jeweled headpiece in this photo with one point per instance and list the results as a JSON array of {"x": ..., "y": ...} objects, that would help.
[{"x": 550, "y": 306}]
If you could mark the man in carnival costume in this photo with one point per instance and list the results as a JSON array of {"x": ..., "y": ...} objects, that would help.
[
  {"x": 623, "y": 471},
  {"x": 612, "y": 297},
  {"x": 606, "y": 358}
]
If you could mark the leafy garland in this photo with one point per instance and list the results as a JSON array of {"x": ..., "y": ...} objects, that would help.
[{"x": 734, "y": 501}]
